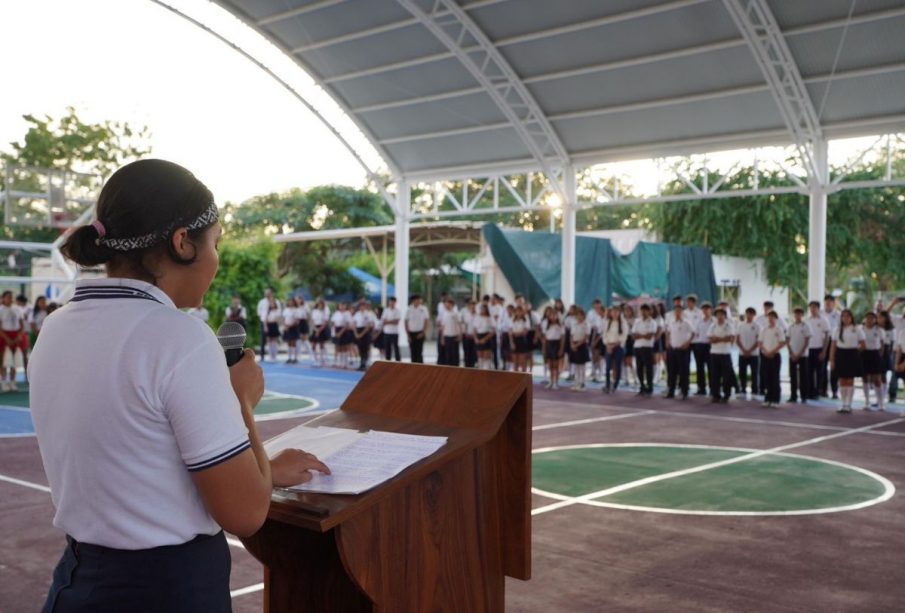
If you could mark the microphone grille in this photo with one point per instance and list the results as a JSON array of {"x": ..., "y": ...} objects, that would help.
[{"x": 231, "y": 335}]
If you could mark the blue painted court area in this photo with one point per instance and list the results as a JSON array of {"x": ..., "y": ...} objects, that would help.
[
  {"x": 15, "y": 421},
  {"x": 327, "y": 386}
]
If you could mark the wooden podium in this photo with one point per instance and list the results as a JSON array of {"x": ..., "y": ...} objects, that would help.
[{"x": 440, "y": 536}]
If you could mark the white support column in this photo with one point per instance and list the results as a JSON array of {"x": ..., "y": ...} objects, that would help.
[
  {"x": 567, "y": 292},
  {"x": 403, "y": 211},
  {"x": 819, "y": 185}
]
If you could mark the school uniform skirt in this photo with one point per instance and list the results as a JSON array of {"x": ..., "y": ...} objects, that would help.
[
  {"x": 485, "y": 345},
  {"x": 848, "y": 363},
  {"x": 872, "y": 363},
  {"x": 292, "y": 333},
  {"x": 581, "y": 355},
  {"x": 303, "y": 327},
  {"x": 522, "y": 344},
  {"x": 273, "y": 330},
  {"x": 629, "y": 346},
  {"x": 320, "y": 337},
  {"x": 183, "y": 578},
  {"x": 551, "y": 351}
]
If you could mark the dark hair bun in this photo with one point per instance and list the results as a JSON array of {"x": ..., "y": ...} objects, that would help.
[{"x": 81, "y": 247}]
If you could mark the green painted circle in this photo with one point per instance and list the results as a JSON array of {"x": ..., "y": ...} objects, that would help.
[
  {"x": 763, "y": 485},
  {"x": 270, "y": 406}
]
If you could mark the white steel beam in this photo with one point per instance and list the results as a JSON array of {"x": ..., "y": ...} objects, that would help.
[
  {"x": 456, "y": 30},
  {"x": 569, "y": 207},
  {"x": 761, "y": 31},
  {"x": 817, "y": 226},
  {"x": 401, "y": 248}
]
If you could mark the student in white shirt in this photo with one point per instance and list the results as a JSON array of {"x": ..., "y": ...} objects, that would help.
[
  {"x": 236, "y": 312},
  {"x": 579, "y": 337},
  {"x": 11, "y": 326},
  {"x": 889, "y": 385},
  {"x": 504, "y": 334},
  {"x": 416, "y": 320},
  {"x": 273, "y": 319},
  {"x": 520, "y": 339},
  {"x": 24, "y": 340},
  {"x": 482, "y": 336},
  {"x": 628, "y": 315},
  {"x": 614, "y": 333},
  {"x": 771, "y": 341},
  {"x": 291, "y": 329},
  {"x": 700, "y": 345},
  {"x": 304, "y": 314},
  {"x": 818, "y": 349},
  {"x": 679, "y": 334},
  {"x": 449, "y": 334},
  {"x": 833, "y": 316},
  {"x": 262, "y": 310},
  {"x": 721, "y": 334},
  {"x": 390, "y": 319},
  {"x": 749, "y": 354},
  {"x": 845, "y": 357},
  {"x": 899, "y": 368},
  {"x": 320, "y": 331},
  {"x": 872, "y": 360},
  {"x": 343, "y": 335},
  {"x": 364, "y": 321},
  {"x": 554, "y": 339},
  {"x": 595, "y": 319},
  {"x": 645, "y": 331},
  {"x": 658, "y": 314},
  {"x": 39, "y": 314},
  {"x": 799, "y": 335},
  {"x": 157, "y": 447}
]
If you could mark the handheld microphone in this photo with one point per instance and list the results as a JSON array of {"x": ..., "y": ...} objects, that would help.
[{"x": 232, "y": 338}]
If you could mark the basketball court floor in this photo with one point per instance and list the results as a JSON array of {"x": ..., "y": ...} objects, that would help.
[{"x": 639, "y": 504}]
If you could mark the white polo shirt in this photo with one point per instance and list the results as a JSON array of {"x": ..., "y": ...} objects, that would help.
[
  {"x": 579, "y": 331},
  {"x": 416, "y": 317},
  {"x": 481, "y": 324},
  {"x": 799, "y": 337},
  {"x": 10, "y": 321},
  {"x": 873, "y": 337},
  {"x": 644, "y": 326},
  {"x": 720, "y": 330},
  {"x": 391, "y": 314},
  {"x": 449, "y": 322},
  {"x": 772, "y": 337},
  {"x": 851, "y": 337},
  {"x": 748, "y": 334},
  {"x": 129, "y": 396},
  {"x": 319, "y": 316},
  {"x": 702, "y": 330},
  {"x": 820, "y": 330}
]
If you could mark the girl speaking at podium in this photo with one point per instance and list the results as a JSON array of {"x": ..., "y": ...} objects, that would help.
[{"x": 147, "y": 438}]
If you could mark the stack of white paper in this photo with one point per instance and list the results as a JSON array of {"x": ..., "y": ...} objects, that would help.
[{"x": 358, "y": 462}]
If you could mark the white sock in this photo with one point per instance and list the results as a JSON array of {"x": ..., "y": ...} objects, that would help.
[
  {"x": 848, "y": 395},
  {"x": 866, "y": 392},
  {"x": 884, "y": 390},
  {"x": 878, "y": 389}
]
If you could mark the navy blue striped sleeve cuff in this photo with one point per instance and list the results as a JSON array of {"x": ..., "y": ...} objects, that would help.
[{"x": 219, "y": 458}]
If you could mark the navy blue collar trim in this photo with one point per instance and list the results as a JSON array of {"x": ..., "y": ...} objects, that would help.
[{"x": 110, "y": 292}]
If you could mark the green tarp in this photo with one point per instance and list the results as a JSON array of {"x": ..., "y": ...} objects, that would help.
[{"x": 531, "y": 263}]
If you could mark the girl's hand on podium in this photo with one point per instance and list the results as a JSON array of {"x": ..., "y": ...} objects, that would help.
[{"x": 294, "y": 466}]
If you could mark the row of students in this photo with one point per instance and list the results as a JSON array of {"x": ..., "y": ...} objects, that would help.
[{"x": 20, "y": 325}]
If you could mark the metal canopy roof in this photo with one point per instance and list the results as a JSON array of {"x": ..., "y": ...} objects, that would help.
[{"x": 603, "y": 80}]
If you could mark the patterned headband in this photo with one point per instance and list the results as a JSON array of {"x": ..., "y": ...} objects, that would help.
[{"x": 208, "y": 217}]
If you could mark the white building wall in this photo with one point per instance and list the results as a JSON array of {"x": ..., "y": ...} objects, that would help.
[{"x": 751, "y": 279}]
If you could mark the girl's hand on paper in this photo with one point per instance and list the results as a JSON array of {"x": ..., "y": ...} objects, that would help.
[{"x": 294, "y": 466}]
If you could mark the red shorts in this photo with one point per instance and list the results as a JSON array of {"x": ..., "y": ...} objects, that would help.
[
  {"x": 16, "y": 344},
  {"x": 24, "y": 342}
]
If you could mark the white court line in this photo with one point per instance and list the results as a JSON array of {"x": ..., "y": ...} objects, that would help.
[
  {"x": 34, "y": 486},
  {"x": 7, "y": 407},
  {"x": 696, "y": 469},
  {"x": 590, "y": 420},
  {"x": 257, "y": 587}
]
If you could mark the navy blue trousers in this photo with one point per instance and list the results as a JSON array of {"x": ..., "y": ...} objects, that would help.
[{"x": 191, "y": 577}]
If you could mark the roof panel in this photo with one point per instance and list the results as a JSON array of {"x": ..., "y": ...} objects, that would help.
[
  {"x": 735, "y": 114},
  {"x": 486, "y": 147},
  {"x": 790, "y": 14},
  {"x": 473, "y": 110},
  {"x": 864, "y": 45},
  {"x": 859, "y": 98},
  {"x": 336, "y": 20}
]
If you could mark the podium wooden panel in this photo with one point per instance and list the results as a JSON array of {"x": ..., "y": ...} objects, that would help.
[{"x": 440, "y": 536}]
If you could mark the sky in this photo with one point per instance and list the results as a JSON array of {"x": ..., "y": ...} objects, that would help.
[{"x": 207, "y": 107}]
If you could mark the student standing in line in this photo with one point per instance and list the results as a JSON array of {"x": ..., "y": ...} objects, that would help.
[
  {"x": 679, "y": 334},
  {"x": 416, "y": 320},
  {"x": 11, "y": 326},
  {"x": 771, "y": 341},
  {"x": 467, "y": 320},
  {"x": 721, "y": 334},
  {"x": 658, "y": 314},
  {"x": 274, "y": 318},
  {"x": 645, "y": 332},
  {"x": 262, "y": 311},
  {"x": 899, "y": 368},
  {"x": 341, "y": 321},
  {"x": 628, "y": 316},
  {"x": 291, "y": 330},
  {"x": 818, "y": 349},
  {"x": 39, "y": 314},
  {"x": 236, "y": 312},
  {"x": 497, "y": 313},
  {"x": 25, "y": 313},
  {"x": 320, "y": 331},
  {"x": 889, "y": 385},
  {"x": 520, "y": 339},
  {"x": 304, "y": 314},
  {"x": 872, "y": 361},
  {"x": 579, "y": 335},
  {"x": 700, "y": 347},
  {"x": 595, "y": 319},
  {"x": 390, "y": 319},
  {"x": 692, "y": 313},
  {"x": 763, "y": 321},
  {"x": 363, "y": 321},
  {"x": 845, "y": 357},
  {"x": 833, "y": 318},
  {"x": 614, "y": 335},
  {"x": 482, "y": 337},
  {"x": 450, "y": 333},
  {"x": 799, "y": 336},
  {"x": 553, "y": 345},
  {"x": 748, "y": 355}
]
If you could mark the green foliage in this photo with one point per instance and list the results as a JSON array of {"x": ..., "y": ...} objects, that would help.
[{"x": 247, "y": 268}]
